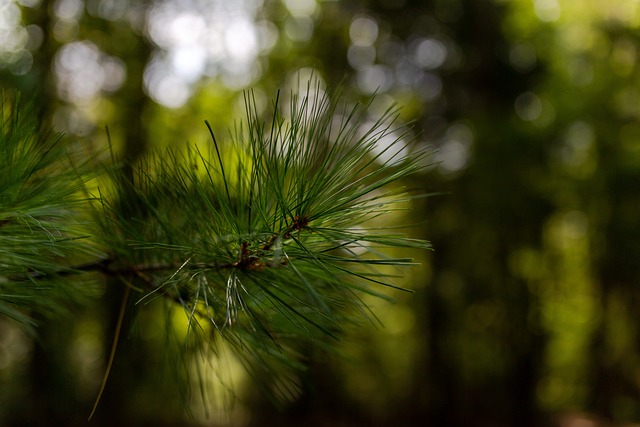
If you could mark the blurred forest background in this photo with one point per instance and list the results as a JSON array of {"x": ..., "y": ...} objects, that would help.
[{"x": 526, "y": 313}]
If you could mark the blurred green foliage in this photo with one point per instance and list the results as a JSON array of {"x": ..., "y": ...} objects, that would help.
[{"x": 525, "y": 314}]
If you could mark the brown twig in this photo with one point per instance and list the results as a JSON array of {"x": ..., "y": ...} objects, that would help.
[{"x": 248, "y": 260}]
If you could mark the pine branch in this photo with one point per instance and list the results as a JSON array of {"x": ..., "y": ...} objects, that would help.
[{"x": 266, "y": 241}]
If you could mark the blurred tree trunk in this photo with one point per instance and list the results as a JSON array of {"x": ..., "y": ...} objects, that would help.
[
  {"x": 52, "y": 396},
  {"x": 498, "y": 217}
]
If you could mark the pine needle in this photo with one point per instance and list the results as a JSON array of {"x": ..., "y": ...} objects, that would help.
[{"x": 114, "y": 346}]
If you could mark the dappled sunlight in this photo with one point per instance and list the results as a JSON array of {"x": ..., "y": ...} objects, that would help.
[
  {"x": 83, "y": 72},
  {"x": 16, "y": 41},
  {"x": 209, "y": 40}
]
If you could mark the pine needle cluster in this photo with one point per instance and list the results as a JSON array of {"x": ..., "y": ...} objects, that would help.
[
  {"x": 41, "y": 235},
  {"x": 265, "y": 241}
]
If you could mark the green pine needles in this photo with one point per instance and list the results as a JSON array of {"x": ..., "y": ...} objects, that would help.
[
  {"x": 41, "y": 234},
  {"x": 266, "y": 242}
]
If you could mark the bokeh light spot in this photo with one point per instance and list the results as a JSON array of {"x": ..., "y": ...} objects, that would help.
[
  {"x": 301, "y": 8},
  {"x": 361, "y": 56},
  {"x": 547, "y": 10},
  {"x": 430, "y": 54},
  {"x": 454, "y": 150},
  {"x": 68, "y": 9},
  {"x": 363, "y": 31},
  {"x": 528, "y": 106},
  {"x": 299, "y": 29},
  {"x": 374, "y": 78}
]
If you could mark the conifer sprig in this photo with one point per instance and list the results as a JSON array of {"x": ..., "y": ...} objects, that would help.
[
  {"x": 269, "y": 238},
  {"x": 41, "y": 233}
]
